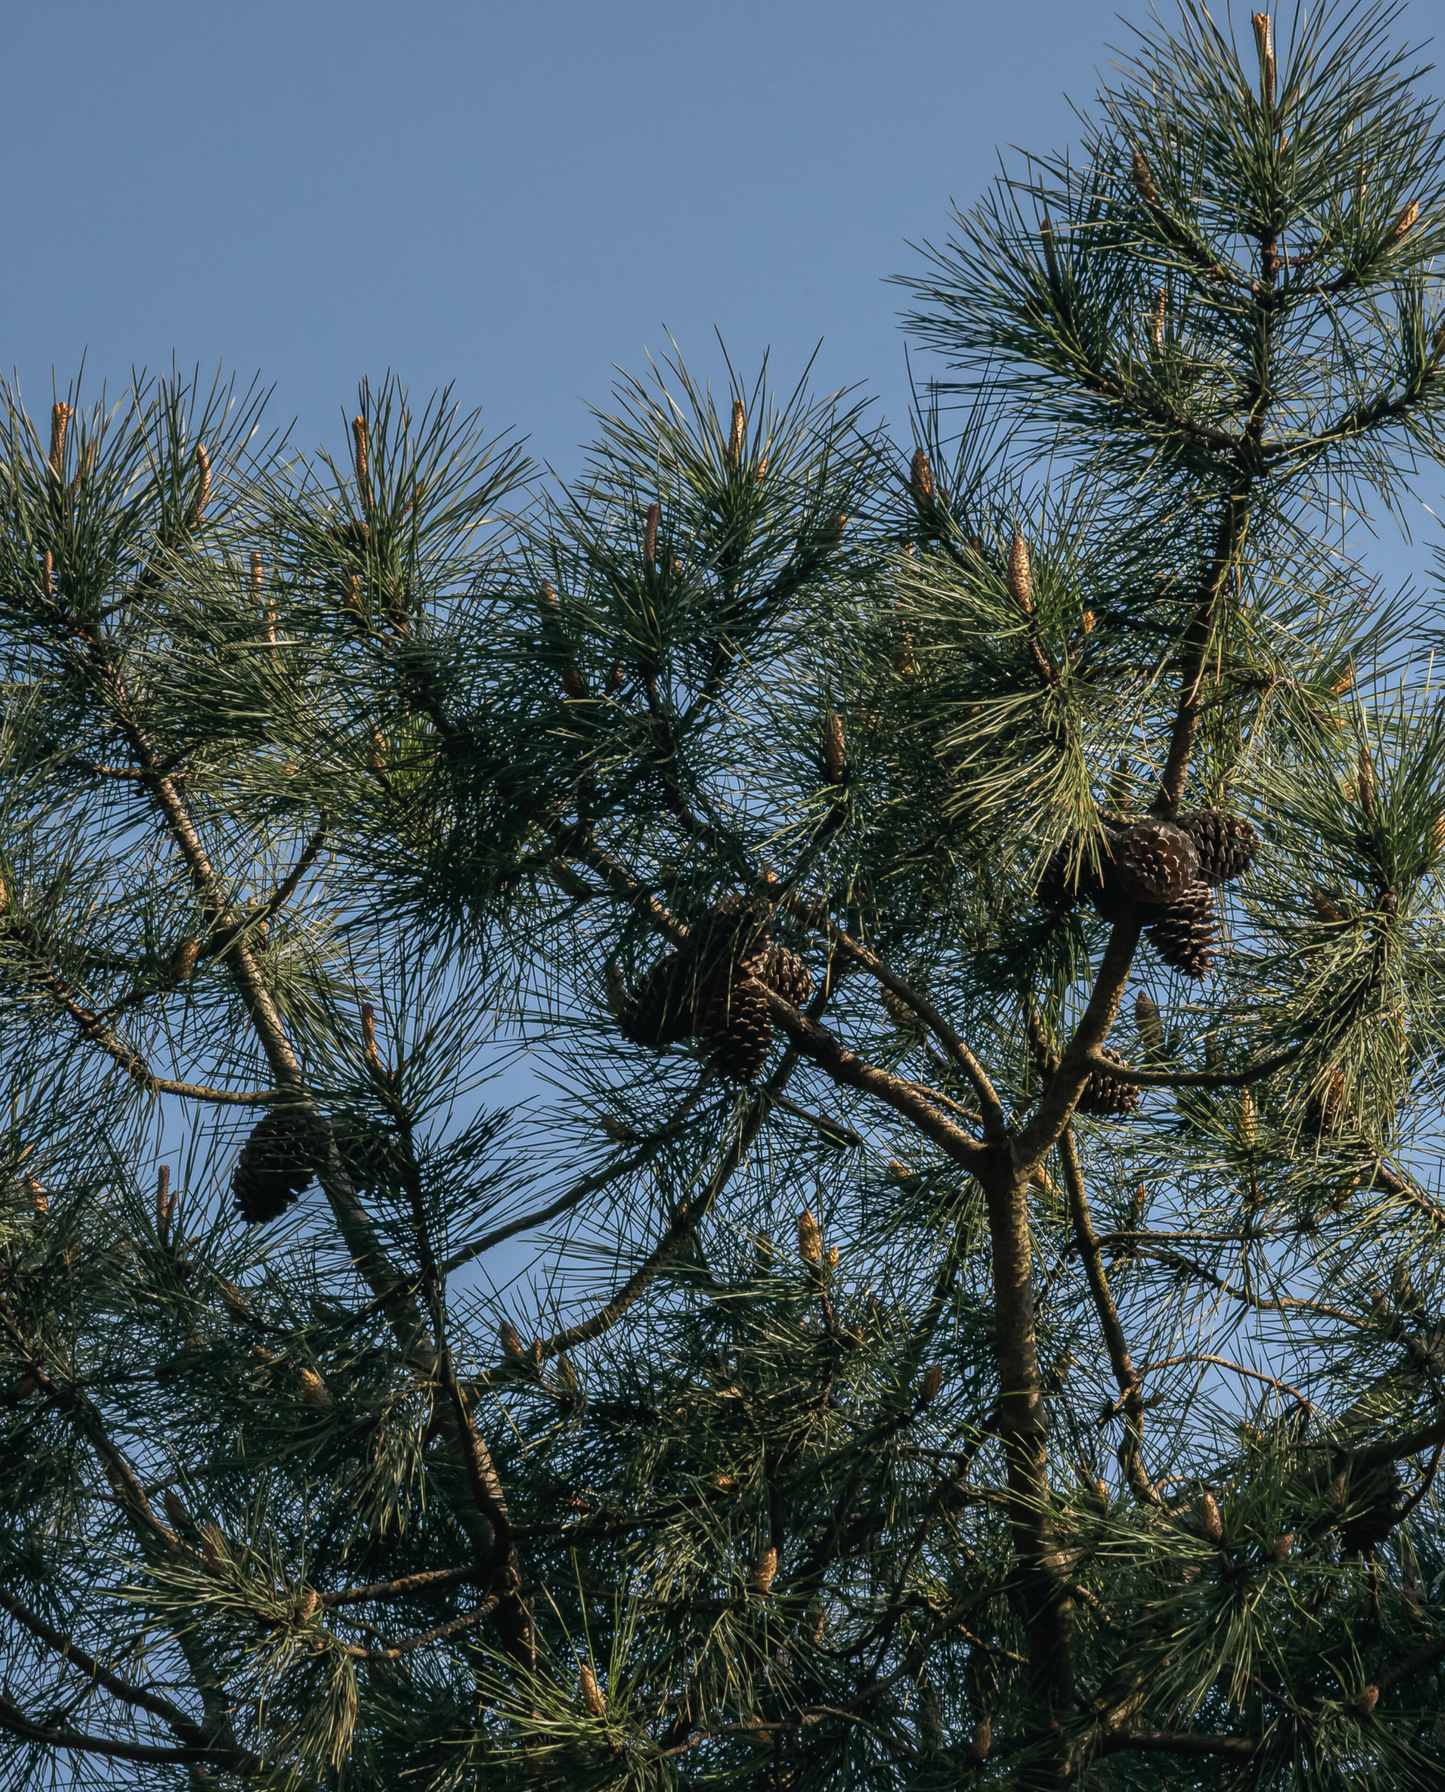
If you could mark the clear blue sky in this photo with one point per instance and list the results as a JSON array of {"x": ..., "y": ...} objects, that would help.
[{"x": 512, "y": 197}]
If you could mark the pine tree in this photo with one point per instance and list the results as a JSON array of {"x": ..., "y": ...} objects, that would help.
[{"x": 982, "y": 929}]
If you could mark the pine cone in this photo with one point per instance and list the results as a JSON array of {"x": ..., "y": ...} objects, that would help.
[
  {"x": 276, "y": 1163},
  {"x": 1105, "y": 1095},
  {"x": 785, "y": 973},
  {"x": 1365, "y": 1529},
  {"x": 732, "y": 941},
  {"x": 1156, "y": 861},
  {"x": 1227, "y": 845},
  {"x": 663, "y": 1008},
  {"x": 1185, "y": 935},
  {"x": 1105, "y": 887},
  {"x": 722, "y": 947},
  {"x": 737, "y": 1029},
  {"x": 1062, "y": 883}
]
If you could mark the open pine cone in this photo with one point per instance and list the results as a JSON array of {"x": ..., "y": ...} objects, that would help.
[
  {"x": 1156, "y": 861},
  {"x": 737, "y": 1029},
  {"x": 706, "y": 989},
  {"x": 663, "y": 1008},
  {"x": 1186, "y": 935},
  {"x": 786, "y": 973},
  {"x": 1107, "y": 1096},
  {"x": 1227, "y": 846},
  {"x": 278, "y": 1160}
]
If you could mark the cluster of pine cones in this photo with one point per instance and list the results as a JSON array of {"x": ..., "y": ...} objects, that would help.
[
  {"x": 708, "y": 989},
  {"x": 1171, "y": 870}
]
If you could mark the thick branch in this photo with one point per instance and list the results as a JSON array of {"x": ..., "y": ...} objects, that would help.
[
  {"x": 405, "y": 1588},
  {"x": 13, "y": 1719},
  {"x": 1196, "y": 648},
  {"x": 183, "y": 1726},
  {"x": 1075, "y": 1063},
  {"x": 1181, "y": 1742},
  {"x": 994, "y": 1124},
  {"x": 850, "y": 1071}
]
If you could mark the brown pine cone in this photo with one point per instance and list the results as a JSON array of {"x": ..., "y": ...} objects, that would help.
[
  {"x": 729, "y": 942},
  {"x": 1105, "y": 887},
  {"x": 1227, "y": 845},
  {"x": 1186, "y": 935},
  {"x": 737, "y": 1029},
  {"x": 278, "y": 1160},
  {"x": 1365, "y": 1528},
  {"x": 784, "y": 972},
  {"x": 1156, "y": 861},
  {"x": 1057, "y": 886},
  {"x": 1105, "y": 1095},
  {"x": 663, "y": 1008}
]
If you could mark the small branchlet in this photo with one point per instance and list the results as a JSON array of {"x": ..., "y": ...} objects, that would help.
[
  {"x": 922, "y": 483},
  {"x": 649, "y": 539},
  {"x": 361, "y": 457},
  {"x": 592, "y": 1694},
  {"x": 268, "y": 614},
  {"x": 1366, "y": 784},
  {"x": 1020, "y": 576},
  {"x": 835, "y": 759},
  {"x": 1401, "y": 226},
  {"x": 1264, "y": 43},
  {"x": 1144, "y": 182},
  {"x": 33, "y": 1190},
  {"x": 314, "y": 1391},
  {"x": 1246, "y": 1119},
  {"x": 737, "y": 434},
  {"x": 165, "y": 1205},
  {"x": 60, "y": 415},
  {"x": 764, "y": 1572},
  {"x": 1051, "y": 258},
  {"x": 201, "y": 496},
  {"x": 369, "y": 1051}
]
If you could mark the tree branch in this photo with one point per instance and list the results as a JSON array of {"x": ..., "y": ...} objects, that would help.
[
  {"x": 184, "y": 1727},
  {"x": 1059, "y": 1100},
  {"x": 850, "y": 1071},
  {"x": 1125, "y": 1374},
  {"x": 994, "y": 1123}
]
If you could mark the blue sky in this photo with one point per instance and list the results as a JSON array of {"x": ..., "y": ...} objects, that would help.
[{"x": 511, "y": 197}]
